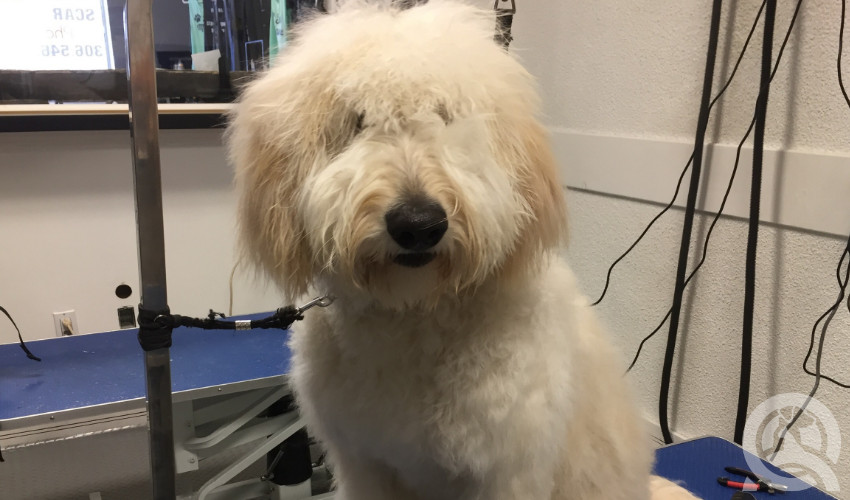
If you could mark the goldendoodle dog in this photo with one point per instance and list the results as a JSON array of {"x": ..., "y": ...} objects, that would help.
[{"x": 392, "y": 158}]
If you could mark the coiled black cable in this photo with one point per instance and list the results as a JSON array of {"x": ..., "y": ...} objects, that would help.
[
  {"x": 690, "y": 210},
  {"x": 728, "y": 188},
  {"x": 753, "y": 229},
  {"x": 827, "y": 316},
  {"x": 687, "y": 165},
  {"x": 847, "y": 100}
]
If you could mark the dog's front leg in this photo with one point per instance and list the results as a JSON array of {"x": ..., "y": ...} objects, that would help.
[
  {"x": 518, "y": 481},
  {"x": 366, "y": 479}
]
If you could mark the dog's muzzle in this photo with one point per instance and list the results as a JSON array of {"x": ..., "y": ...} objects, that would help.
[{"x": 416, "y": 225}]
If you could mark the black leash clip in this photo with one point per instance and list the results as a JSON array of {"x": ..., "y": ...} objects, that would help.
[{"x": 504, "y": 22}]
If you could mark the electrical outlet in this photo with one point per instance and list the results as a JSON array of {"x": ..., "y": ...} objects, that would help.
[
  {"x": 65, "y": 323},
  {"x": 126, "y": 317}
]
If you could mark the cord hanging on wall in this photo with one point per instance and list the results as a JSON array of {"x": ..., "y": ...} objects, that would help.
[
  {"x": 752, "y": 236},
  {"x": 681, "y": 176},
  {"x": 827, "y": 316},
  {"x": 725, "y": 196},
  {"x": 702, "y": 125}
]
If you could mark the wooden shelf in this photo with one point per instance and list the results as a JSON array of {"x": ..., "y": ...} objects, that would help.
[
  {"x": 66, "y": 117},
  {"x": 107, "y": 109},
  {"x": 27, "y": 87}
]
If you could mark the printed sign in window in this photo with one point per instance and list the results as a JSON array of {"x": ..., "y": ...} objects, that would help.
[{"x": 55, "y": 35}]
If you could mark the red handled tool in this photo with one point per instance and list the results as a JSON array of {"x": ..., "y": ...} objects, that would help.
[{"x": 759, "y": 483}]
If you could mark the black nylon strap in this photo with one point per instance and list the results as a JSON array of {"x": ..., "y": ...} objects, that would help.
[
  {"x": 20, "y": 342},
  {"x": 282, "y": 319},
  {"x": 155, "y": 327},
  {"x": 752, "y": 236},
  {"x": 702, "y": 125},
  {"x": 154, "y": 332},
  {"x": 23, "y": 346},
  {"x": 504, "y": 23}
]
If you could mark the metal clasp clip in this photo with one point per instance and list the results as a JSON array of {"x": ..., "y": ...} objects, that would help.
[{"x": 323, "y": 301}]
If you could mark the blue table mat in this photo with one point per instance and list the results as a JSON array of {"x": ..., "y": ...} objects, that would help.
[
  {"x": 102, "y": 368},
  {"x": 698, "y": 463}
]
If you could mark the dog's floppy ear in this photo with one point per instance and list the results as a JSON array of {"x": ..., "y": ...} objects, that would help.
[
  {"x": 274, "y": 137},
  {"x": 525, "y": 147},
  {"x": 540, "y": 185}
]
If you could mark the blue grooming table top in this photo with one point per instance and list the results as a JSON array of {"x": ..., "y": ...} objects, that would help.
[
  {"x": 104, "y": 370},
  {"x": 85, "y": 375},
  {"x": 697, "y": 464}
]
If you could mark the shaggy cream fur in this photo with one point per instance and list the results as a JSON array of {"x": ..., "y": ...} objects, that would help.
[{"x": 468, "y": 368}]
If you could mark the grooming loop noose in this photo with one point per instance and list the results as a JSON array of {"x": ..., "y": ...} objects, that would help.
[{"x": 163, "y": 322}]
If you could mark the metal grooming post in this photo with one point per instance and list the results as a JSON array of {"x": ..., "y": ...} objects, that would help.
[{"x": 144, "y": 133}]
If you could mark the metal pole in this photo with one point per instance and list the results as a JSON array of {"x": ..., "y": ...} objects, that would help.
[{"x": 144, "y": 133}]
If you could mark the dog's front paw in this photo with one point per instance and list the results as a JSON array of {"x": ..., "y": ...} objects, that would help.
[{"x": 663, "y": 489}]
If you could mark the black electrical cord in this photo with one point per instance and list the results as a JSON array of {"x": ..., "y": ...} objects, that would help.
[
  {"x": 829, "y": 314},
  {"x": 817, "y": 374},
  {"x": 20, "y": 340},
  {"x": 687, "y": 227},
  {"x": 753, "y": 229},
  {"x": 23, "y": 346},
  {"x": 687, "y": 165},
  {"x": 728, "y": 189}
]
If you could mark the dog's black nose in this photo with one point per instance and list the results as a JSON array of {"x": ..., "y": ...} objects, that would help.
[{"x": 417, "y": 224}]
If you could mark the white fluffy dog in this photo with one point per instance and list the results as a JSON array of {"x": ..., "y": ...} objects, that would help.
[{"x": 392, "y": 158}]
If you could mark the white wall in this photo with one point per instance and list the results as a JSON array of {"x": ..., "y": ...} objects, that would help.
[
  {"x": 623, "y": 78},
  {"x": 67, "y": 229}
]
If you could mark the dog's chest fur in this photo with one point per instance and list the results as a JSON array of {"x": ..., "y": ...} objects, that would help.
[{"x": 438, "y": 392}]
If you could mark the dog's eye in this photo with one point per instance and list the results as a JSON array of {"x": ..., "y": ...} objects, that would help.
[
  {"x": 443, "y": 112},
  {"x": 358, "y": 124}
]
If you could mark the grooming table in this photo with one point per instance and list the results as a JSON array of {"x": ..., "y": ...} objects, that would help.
[
  {"x": 221, "y": 381},
  {"x": 696, "y": 464}
]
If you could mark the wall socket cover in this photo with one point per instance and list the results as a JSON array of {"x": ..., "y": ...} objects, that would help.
[{"x": 57, "y": 321}]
